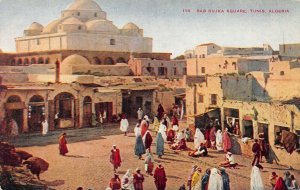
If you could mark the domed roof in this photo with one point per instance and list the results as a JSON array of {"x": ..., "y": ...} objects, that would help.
[
  {"x": 130, "y": 26},
  {"x": 75, "y": 59},
  {"x": 70, "y": 61},
  {"x": 72, "y": 21},
  {"x": 35, "y": 26},
  {"x": 84, "y": 5},
  {"x": 52, "y": 26},
  {"x": 101, "y": 25}
]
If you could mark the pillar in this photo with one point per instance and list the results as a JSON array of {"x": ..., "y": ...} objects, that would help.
[
  {"x": 76, "y": 113},
  {"x": 51, "y": 114},
  {"x": 25, "y": 128},
  {"x": 222, "y": 117}
]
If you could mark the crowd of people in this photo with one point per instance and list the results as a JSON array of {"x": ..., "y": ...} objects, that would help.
[{"x": 167, "y": 132}]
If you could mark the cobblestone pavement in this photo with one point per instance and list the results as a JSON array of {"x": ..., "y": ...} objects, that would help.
[{"x": 87, "y": 163}]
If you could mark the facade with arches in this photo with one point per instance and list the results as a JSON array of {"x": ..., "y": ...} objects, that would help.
[{"x": 63, "y": 105}]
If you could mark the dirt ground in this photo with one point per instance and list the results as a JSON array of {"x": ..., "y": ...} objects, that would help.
[{"x": 87, "y": 163}]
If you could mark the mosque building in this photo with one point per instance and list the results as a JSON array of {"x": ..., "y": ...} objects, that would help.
[{"x": 75, "y": 69}]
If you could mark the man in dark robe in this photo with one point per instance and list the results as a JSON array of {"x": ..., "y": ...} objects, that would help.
[
  {"x": 174, "y": 120},
  {"x": 115, "y": 182},
  {"x": 148, "y": 140},
  {"x": 63, "y": 149},
  {"x": 225, "y": 177},
  {"x": 160, "y": 178},
  {"x": 256, "y": 151},
  {"x": 138, "y": 180},
  {"x": 115, "y": 158},
  {"x": 160, "y": 111},
  {"x": 171, "y": 135},
  {"x": 205, "y": 180}
]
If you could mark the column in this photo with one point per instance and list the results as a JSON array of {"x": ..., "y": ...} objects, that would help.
[
  {"x": 25, "y": 128},
  {"x": 76, "y": 113},
  {"x": 51, "y": 115}
]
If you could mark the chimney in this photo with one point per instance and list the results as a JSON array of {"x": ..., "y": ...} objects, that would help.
[{"x": 57, "y": 71}]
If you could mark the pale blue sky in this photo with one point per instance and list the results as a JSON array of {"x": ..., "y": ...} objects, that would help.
[{"x": 172, "y": 30}]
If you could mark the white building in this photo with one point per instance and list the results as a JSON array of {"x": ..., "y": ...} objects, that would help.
[{"x": 83, "y": 26}]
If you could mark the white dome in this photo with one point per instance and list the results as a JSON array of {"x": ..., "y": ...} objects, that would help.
[
  {"x": 72, "y": 21},
  {"x": 35, "y": 26},
  {"x": 70, "y": 61},
  {"x": 84, "y": 5},
  {"x": 130, "y": 26},
  {"x": 101, "y": 25},
  {"x": 52, "y": 26}
]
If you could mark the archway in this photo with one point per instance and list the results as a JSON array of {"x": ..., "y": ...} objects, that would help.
[
  {"x": 109, "y": 61},
  {"x": 13, "y": 62},
  {"x": 47, "y": 60},
  {"x": 33, "y": 61},
  {"x": 87, "y": 111},
  {"x": 19, "y": 62},
  {"x": 64, "y": 108},
  {"x": 26, "y": 61},
  {"x": 14, "y": 113},
  {"x": 36, "y": 110},
  {"x": 121, "y": 60},
  {"x": 41, "y": 60},
  {"x": 96, "y": 61}
]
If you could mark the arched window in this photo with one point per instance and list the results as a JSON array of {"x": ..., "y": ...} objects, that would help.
[
  {"x": 13, "y": 99},
  {"x": 47, "y": 60},
  {"x": 78, "y": 14},
  {"x": 33, "y": 61},
  {"x": 109, "y": 61},
  {"x": 281, "y": 73},
  {"x": 121, "y": 60},
  {"x": 96, "y": 61},
  {"x": 36, "y": 98},
  {"x": 79, "y": 27},
  {"x": 26, "y": 61},
  {"x": 19, "y": 62},
  {"x": 13, "y": 62},
  {"x": 41, "y": 60},
  {"x": 87, "y": 99},
  {"x": 95, "y": 14}
]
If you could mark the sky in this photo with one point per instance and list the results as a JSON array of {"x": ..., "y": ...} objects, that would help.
[{"x": 169, "y": 23}]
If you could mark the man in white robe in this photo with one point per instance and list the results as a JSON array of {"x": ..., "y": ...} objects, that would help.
[
  {"x": 215, "y": 180},
  {"x": 163, "y": 131},
  {"x": 45, "y": 126},
  {"x": 219, "y": 140},
  {"x": 140, "y": 113},
  {"x": 199, "y": 137},
  {"x": 124, "y": 125},
  {"x": 256, "y": 180}
]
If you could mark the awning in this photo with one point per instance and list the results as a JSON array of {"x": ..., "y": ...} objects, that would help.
[
  {"x": 247, "y": 118},
  {"x": 15, "y": 106},
  {"x": 199, "y": 115}
]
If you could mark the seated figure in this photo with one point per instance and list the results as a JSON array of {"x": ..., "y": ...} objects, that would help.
[
  {"x": 200, "y": 151},
  {"x": 229, "y": 161}
]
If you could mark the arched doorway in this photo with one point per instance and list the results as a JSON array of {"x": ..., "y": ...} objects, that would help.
[
  {"x": 40, "y": 60},
  {"x": 14, "y": 111},
  {"x": 87, "y": 111},
  {"x": 96, "y": 61},
  {"x": 36, "y": 110},
  {"x": 19, "y": 62},
  {"x": 12, "y": 62},
  {"x": 33, "y": 61},
  {"x": 64, "y": 108},
  {"x": 26, "y": 61},
  {"x": 121, "y": 60},
  {"x": 47, "y": 60},
  {"x": 108, "y": 61}
]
